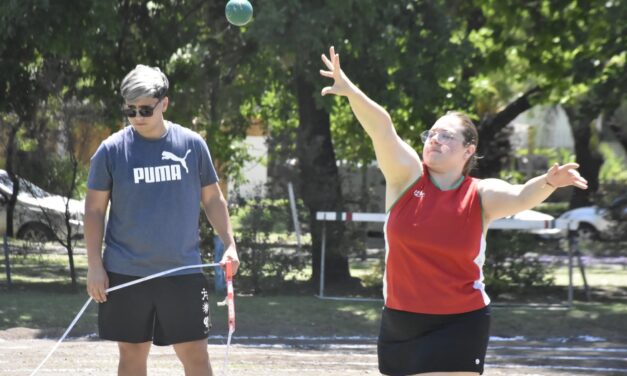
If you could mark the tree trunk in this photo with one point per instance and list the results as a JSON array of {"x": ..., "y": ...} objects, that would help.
[
  {"x": 494, "y": 146},
  {"x": 319, "y": 182},
  {"x": 69, "y": 246},
  {"x": 621, "y": 134},
  {"x": 587, "y": 154}
]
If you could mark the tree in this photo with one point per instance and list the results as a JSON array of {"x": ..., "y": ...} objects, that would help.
[
  {"x": 39, "y": 61},
  {"x": 19, "y": 92},
  {"x": 63, "y": 171},
  {"x": 493, "y": 59},
  {"x": 295, "y": 33},
  {"x": 572, "y": 51},
  {"x": 414, "y": 57},
  {"x": 401, "y": 54}
]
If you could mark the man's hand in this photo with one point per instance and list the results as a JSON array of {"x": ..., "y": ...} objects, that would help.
[
  {"x": 97, "y": 283},
  {"x": 230, "y": 254}
]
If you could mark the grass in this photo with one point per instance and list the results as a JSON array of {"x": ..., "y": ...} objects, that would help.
[
  {"x": 45, "y": 268},
  {"x": 309, "y": 316},
  {"x": 598, "y": 276},
  {"x": 43, "y": 299},
  {"x": 605, "y": 320}
]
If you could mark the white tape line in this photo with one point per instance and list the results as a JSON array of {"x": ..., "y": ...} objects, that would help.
[
  {"x": 160, "y": 274},
  {"x": 80, "y": 313},
  {"x": 118, "y": 287}
]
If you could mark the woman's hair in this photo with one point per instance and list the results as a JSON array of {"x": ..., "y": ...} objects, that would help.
[
  {"x": 471, "y": 137},
  {"x": 144, "y": 82}
]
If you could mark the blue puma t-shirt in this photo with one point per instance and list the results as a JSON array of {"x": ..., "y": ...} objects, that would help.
[{"x": 155, "y": 199}]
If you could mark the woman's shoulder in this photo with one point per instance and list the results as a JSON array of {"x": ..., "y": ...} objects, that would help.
[{"x": 395, "y": 192}]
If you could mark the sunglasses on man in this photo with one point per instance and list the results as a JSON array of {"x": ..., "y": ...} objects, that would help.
[{"x": 144, "y": 111}]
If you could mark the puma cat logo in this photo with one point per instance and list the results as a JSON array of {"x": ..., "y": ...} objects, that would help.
[{"x": 172, "y": 157}]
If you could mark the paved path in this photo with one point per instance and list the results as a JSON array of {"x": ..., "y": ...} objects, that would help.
[{"x": 98, "y": 358}]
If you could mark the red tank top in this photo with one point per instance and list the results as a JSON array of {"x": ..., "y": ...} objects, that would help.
[{"x": 435, "y": 249}]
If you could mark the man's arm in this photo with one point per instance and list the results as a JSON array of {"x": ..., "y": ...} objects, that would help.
[
  {"x": 217, "y": 213},
  {"x": 96, "y": 204}
]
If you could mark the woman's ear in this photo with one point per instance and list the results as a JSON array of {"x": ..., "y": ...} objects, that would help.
[{"x": 470, "y": 150}]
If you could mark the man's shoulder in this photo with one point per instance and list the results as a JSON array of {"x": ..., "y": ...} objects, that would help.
[
  {"x": 118, "y": 136},
  {"x": 115, "y": 140},
  {"x": 185, "y": 132}
]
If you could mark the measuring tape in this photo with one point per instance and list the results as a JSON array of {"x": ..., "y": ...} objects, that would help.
[{"x": 230, "y": 303}]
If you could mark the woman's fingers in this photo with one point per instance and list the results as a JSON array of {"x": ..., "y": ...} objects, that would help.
[
  {"x": 332, "y": 62},
  {"x": 327, "y": 62},
  {"x": 575, "y": 178},
  {"x": 327, "y": 90},
  {"x": 571, "y": 165},
  {"x": 553, "y": 169},
  {"x": 580, "y": 184}
]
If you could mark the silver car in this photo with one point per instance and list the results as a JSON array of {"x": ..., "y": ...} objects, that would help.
[{"x": 39, "y": 215}]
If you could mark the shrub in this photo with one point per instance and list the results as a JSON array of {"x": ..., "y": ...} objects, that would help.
[
  {"x": 261, "y": 228},
  {"x": 511, "y": 265}
]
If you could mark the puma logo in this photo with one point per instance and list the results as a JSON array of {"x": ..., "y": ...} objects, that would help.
[{"x": 172, "y": 157}]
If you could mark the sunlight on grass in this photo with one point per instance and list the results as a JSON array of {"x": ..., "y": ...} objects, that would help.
[
  {"x": 371, "y": 314},
  {"x": 25, "y": 279},
  {"x": 598, "y": 277},
  {"x": 303, "y": 275}
]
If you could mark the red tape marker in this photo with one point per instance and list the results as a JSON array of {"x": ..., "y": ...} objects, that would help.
[{"x": 229, "y": 296}]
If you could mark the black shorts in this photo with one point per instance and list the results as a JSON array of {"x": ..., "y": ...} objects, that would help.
[
  {"x": 411, "y": 343},
  {"x": 166, "y": 310}
]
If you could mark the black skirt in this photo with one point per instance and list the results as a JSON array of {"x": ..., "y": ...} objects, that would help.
[{"x": 411, "y": 343}]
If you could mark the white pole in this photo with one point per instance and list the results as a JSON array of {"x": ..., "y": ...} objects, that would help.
[
  {"x": 290, "y": 190},
  {"x": 322, "y": 257}
]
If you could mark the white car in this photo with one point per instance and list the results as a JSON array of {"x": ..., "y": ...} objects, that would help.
[
  {"x": 596, "y": 222},
  {"x": 534, "y": 215},
  {"x": 38, "y": 215}
]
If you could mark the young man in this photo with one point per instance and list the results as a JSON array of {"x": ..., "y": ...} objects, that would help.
[{"x": 153, "y": 174}]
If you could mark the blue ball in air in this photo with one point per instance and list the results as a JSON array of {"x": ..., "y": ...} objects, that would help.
[{"x": 238, "y": 12}]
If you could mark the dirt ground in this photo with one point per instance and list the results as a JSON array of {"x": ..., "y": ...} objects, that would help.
[{"x": 20, "y": 356}]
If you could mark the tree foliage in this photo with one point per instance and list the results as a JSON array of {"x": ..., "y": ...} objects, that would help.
[{"x": 491, "y": 58}]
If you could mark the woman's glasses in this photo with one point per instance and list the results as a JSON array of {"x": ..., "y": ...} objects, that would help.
[
  {"x": 442, "y": 137},
  {"x": 144, "y": 111}
]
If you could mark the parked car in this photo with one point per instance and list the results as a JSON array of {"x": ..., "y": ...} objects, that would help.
[
  {"x": 38, "y": 215},
  {"x": 534, "y": 215},
  {"x": 596, "y": 222}
]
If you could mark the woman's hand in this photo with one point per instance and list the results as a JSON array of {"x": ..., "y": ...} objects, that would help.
[
  {"x": 565, "y": 175},
  {"x": 341, "y": 84}
]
